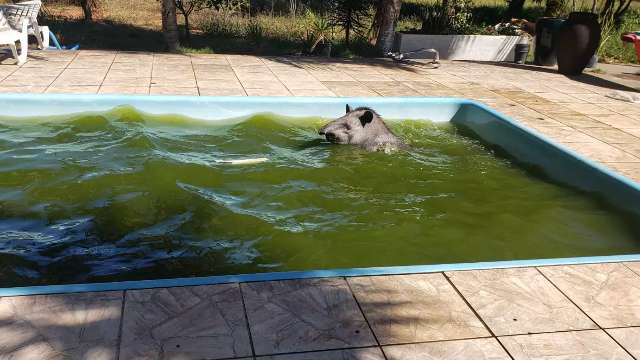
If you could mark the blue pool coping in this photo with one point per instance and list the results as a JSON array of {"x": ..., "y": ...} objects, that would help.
[
  {"x": 311, "y": 274},
  {"x": 12, "y": 104}
]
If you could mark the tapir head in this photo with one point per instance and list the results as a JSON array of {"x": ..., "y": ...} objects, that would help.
[{"x": 357, "y": 126}]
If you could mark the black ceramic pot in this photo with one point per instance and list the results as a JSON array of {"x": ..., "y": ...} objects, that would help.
[
  {"x": 546, "y": 30},
  {"x": 576, "y": 42}
]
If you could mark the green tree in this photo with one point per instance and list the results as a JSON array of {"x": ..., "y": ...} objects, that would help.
[
  {"x": 349, "y": 15},
  {"x": 186, "y": 7}
]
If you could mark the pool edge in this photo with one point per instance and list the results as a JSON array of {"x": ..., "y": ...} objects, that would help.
[
  {"x": 310, "y": 274},
  {"x": 348, "y": 272}
]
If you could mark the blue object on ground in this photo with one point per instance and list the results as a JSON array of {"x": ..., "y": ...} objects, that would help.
[
  {"x": 54, "y": 39},
  {"x": 57, "y": 46}
]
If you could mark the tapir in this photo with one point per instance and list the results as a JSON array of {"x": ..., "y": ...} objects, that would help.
[{"x": 363, "y": 127}]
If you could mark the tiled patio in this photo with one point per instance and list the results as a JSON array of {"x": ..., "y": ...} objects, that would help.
[{"x": 579, "y": 312}]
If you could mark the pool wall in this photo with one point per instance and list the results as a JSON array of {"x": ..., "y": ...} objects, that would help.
[
  {"x": 556, "y": 161},
  {"x": 525, "y": 145}
]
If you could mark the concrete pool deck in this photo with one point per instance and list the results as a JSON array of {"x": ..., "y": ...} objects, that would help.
[
  {"x": 551, "y": 312},
  {"x": 559, "y": 312}
]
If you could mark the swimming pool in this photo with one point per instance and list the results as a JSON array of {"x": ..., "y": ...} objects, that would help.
[{"x": 550, "y": 169}]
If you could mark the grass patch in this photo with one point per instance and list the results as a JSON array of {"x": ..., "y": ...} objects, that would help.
[
  {"x": 136, "y": 25},
  {"x": 105, "y": 35},
  {"x": 118, "y": 25},
  {"x": 261, "y": 34},
  {"x": 270, "y": 35},
  {"x": 612, "y": 49}
]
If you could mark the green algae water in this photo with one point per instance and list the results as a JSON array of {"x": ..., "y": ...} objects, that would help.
[{"x": 124, "y": 195}]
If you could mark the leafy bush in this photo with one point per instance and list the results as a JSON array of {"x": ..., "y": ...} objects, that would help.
[
  {"x": 255, "y": 32},
  {"x": 482, "y": 15},
  {"x": 275, "y": 35},
  {"x": 219, "y": 24},
  {"x": 460, "y": 23},
  {"x": 319, "y": 30},
  {"x": 435, "y": 20},
  {"x": 486, "y": 15},
  {"x": 263, "y": 34},
  {"x": 412, "y": 9}
]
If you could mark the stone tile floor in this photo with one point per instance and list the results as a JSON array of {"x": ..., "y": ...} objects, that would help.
[
  {"x": 559, "y": 312},
  {"x": 584, "y": 312}
]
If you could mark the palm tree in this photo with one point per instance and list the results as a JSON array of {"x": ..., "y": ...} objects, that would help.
[
  {"x": 384, "y": 24},
  {"x": 170, "y": 25}
]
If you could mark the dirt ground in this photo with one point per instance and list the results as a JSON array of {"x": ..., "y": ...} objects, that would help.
[{"x": 118, "y": 24}]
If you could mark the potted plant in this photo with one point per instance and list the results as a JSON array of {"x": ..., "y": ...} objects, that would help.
[
  {"x": 582, "y": 35},
  {"x": 320, "y": 33},
  {"x": 546, "y": 29},
  {"x": 576, "y": 42},
  {"x": 522, "y": 49},
  {"x": 517, "y": 28}
]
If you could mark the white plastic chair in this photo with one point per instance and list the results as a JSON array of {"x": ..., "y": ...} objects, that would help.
[
  {"x": 9, "y": 36},
  {"x": 27, "y": 10}
]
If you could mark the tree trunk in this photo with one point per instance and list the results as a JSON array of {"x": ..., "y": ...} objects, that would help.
[
  {"x": 389, "y": 11},
  {"x": 87, "y": 9},
  {"x": 170, "y": 25},
  {"x": 293, "y": 7},
  {"x": 187, "y": 29},
  {"x": 347, "y": 29},
  {"x": 347, "y": 35},
  {"x": 515, "y": 9}
]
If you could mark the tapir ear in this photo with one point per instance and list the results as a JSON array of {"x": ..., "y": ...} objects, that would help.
[
  {"x": 348, "y": 109},
  {"x": 366, "y": 118}
]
